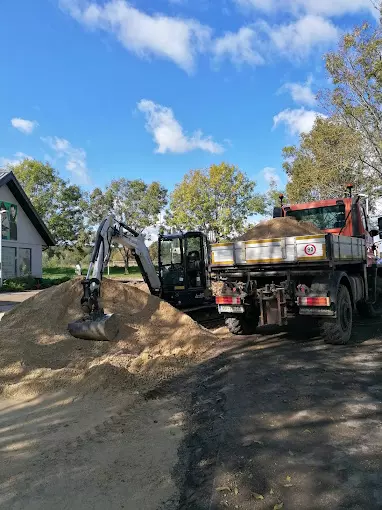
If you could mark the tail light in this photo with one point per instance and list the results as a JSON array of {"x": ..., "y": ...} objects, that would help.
[
  {"x": 227, "y": 300},
  {"x": 313, "y": 301}
]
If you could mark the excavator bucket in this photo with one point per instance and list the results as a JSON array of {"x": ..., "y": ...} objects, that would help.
[{"x": 101, "y": 328}]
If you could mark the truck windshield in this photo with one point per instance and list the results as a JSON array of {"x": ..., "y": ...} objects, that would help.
[
  {"x": 324, "y": 218},
  {"x": 171, "y": 252}
]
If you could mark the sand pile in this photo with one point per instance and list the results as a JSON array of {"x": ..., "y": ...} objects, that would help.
[
  {"x": 39, "y": 355},
  {"x": 279, "y": 227}
]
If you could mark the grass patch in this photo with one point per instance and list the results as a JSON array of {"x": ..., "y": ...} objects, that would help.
[
  {"x": 56, "y": 275},
  {"x": 115, "y": 272}
]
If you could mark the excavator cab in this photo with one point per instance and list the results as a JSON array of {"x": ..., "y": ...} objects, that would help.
[{"x": 184, "y": 268}]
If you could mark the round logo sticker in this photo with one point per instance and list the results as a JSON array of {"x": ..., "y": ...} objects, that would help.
[{"x": 310, "y": 249}]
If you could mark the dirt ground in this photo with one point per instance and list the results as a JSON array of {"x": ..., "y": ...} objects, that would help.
[
  {"x": 285, "y": 421},
  {"x": 271, "y": 421},
  {"x": 85, "y": 454}
]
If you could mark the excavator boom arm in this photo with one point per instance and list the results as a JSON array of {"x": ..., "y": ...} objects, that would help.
[{"x": 113, "y": 231}]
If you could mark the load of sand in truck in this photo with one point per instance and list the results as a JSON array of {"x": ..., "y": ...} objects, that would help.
[{"x": 279, "y": 227}]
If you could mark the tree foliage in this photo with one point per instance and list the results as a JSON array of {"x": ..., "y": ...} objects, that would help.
[
  {"x": 132, "y": 201},
  {"x": 219, "y": 199},
  {"x": 326, "y": 160},
  {"x": 60, "y": 204},
  {"x": 356, "y": 72},
  {"x": 347, "y": 146},
  {"x": 272, "y": 197}
]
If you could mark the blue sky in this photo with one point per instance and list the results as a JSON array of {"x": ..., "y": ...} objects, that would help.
[{"x": 152, "y": 88}]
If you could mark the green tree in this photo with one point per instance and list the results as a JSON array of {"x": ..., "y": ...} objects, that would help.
[
  {"x": 272, "y": 197},
  {"x": 219, "y": 199},
  {"x": 60, "y": 204},
  {"x": 154, "y": 252},
  {"x": 132, "y": 201},
  {"x": 356, "y": 98},
  {"x": 327, "y": 158}
]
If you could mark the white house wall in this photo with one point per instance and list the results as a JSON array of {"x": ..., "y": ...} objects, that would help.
[{"x": 27, "y": 235}]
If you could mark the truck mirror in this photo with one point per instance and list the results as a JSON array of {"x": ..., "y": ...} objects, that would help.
[
  {"x": 374, "y": 232},
  {"x": 278, "y": 212}
]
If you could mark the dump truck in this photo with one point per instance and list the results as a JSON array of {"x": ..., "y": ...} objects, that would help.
[{"x": 328, "y": 275}]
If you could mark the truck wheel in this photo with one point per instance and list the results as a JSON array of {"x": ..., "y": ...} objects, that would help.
[
  {"x": 338, "y": 331},
  {"x": 242, "y": 324}
]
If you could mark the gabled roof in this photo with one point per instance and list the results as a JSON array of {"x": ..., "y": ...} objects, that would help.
[{"x": 9, "y": 179}]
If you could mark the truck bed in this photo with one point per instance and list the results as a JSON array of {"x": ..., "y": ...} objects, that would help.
[{"x": 310, "y": 250}]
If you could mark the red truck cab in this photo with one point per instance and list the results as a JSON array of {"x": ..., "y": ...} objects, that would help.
[{"x": 344, "y": 216}]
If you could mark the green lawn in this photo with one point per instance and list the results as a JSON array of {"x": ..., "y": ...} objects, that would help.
[
  {"x": 56, "y": 275},
  {"x": 115, "y": 272}
]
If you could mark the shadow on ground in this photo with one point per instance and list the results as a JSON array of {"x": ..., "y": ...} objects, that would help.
[{"x": 285, "y": 419}]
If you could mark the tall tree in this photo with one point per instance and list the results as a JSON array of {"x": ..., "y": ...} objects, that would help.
[
  {"x": 219, "y": 199},
  {"x": 356, "y": 72},
  {"x": 327, "y": 158},
  {"x": 273, "y": 196},
  {"x": 132, "y": 201},
  {"x": 60, "y": 204}
]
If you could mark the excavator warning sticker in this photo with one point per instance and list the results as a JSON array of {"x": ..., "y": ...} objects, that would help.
[{"x": 310, "y": 249}]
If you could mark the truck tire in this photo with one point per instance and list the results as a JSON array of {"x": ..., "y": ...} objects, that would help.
[
  {"x": 338, "y": 331},
  {"x": 243, "y": 324}
]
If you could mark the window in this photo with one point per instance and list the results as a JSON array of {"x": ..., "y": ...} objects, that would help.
[
  {"x": 9, "y": 261},
  {"x": 325, "y": 218},
  {"x": 171, "y": 252},
  {"x": 25, "y": 262},
  {"x": 194, "y": 261}
]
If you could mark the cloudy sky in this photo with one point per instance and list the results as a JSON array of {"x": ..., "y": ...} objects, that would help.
[{"x": 152, "y": 88}]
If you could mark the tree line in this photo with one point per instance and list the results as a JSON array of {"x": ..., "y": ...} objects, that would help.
[
  {"x": 219, "y": 199},
  {"x": 345, "y": 145}
]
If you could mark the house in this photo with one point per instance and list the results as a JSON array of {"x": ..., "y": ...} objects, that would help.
[{"x": 24, "y": 235}]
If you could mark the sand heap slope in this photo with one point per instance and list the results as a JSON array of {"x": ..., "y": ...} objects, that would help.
[
  {"x": 39, "y": 355},
  {"x": 280, "y": 227}
]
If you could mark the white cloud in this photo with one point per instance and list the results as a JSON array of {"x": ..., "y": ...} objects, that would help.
[
  {"x": 298, "y": 38},
  {"x": 23, "y": 125},
  {"x": 75, "y": 159},
  {"x": 18, "y": 157},
  {"x": 176, "y": 39},
  {"x": 168, "y": 133},
  {"x": 301, "y": 93},
  {"x": 270, "y": 176},
  {"x": 327, "y": 8},
  {"x": 239, "y": 47},
  {"x": 297, "y": 121}
]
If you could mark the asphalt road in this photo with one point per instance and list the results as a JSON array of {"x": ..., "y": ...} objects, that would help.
[
  {"x": 8, "y": 300},
  {"x": 285, "y": 421}
]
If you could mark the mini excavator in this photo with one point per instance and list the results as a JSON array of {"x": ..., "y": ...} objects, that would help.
[{"x": 182, "y": 279}]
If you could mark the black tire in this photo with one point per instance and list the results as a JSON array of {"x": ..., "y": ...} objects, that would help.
[
  {"x": 243, "y": 324},
  {"x": 338, "y": 331}
]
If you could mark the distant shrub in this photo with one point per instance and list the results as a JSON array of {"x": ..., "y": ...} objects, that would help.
[{"x": 22, "y": 283}]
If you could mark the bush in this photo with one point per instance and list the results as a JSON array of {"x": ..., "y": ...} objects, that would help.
[{"x": 30, "y": 283}]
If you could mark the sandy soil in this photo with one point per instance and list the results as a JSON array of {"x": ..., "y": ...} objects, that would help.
[{"x": 80, "y": 454}]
